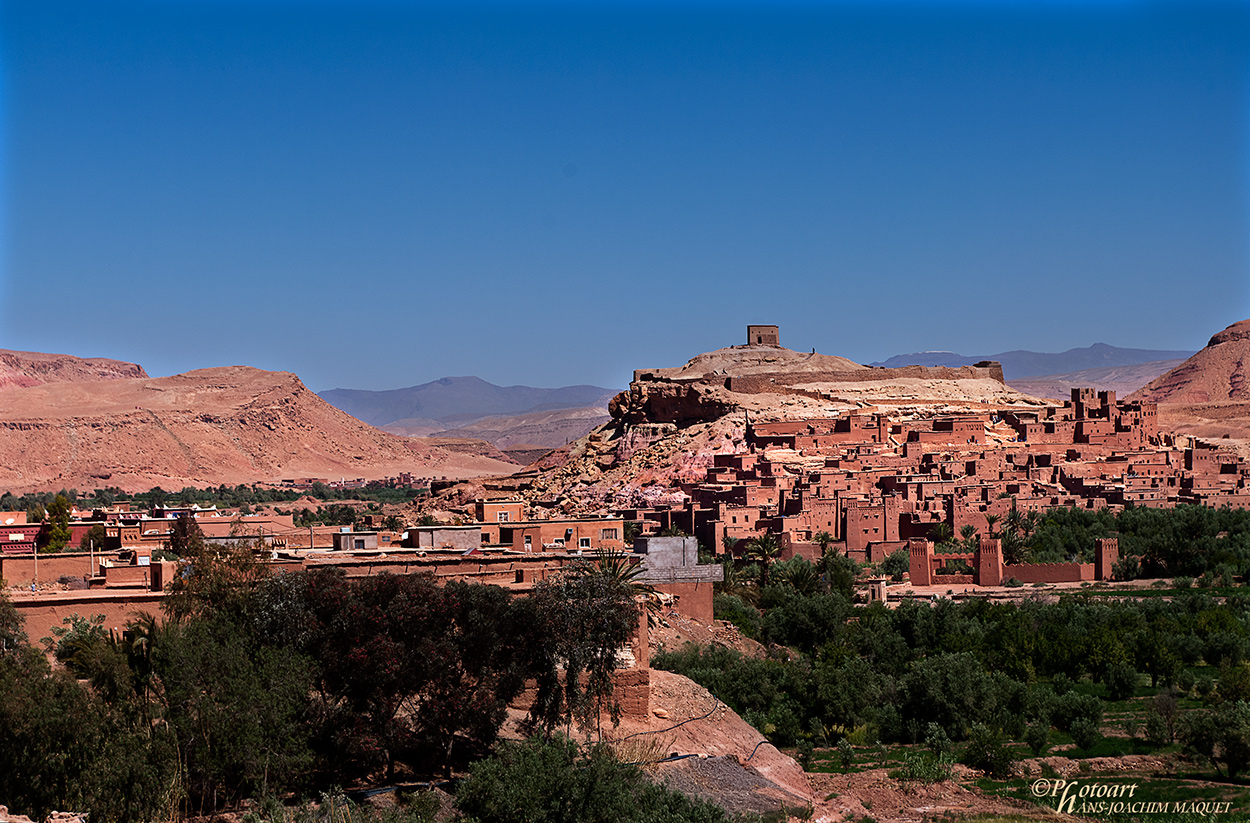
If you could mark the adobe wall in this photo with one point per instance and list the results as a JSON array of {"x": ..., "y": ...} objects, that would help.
[
  {"x": 19, "y": 570},
  {"x": 953, "y": 580},
  {"x": 50, "y": 609},
  {"x": 693, "y": 599},
  {"x": 1050, "y": 572}
]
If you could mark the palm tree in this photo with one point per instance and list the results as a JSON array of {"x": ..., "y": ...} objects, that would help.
[
  {"x": 823, "y": 539},
  {"x": 1029, "y": 524},
  {"x": 1014, "y": 519},
  {"x": 621, "y": 569},
  {"x": 764, "y": 550},
  {"x": 799, "y": 575},
  {"x": 990, "y": 520},
  {"x": 1014, "y": 549},
  {"x": 734, "y": 582},
  {"x": 969, "y": 533},
  {"x": 941, "y": 533}
]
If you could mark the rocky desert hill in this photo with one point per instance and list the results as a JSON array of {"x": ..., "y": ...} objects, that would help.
[
  {"x": 206, "y": 427},
  {"x": 667, "y": 427},
  {"x": 21, "y": 369},
  {"x": 1208, "y": 395}
]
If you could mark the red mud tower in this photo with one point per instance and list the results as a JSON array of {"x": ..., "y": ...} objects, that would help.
[
  {"x": 989, "y": 563},
  {"x": 1106, "y": 553},
  {"x": 921, "y": 570}
]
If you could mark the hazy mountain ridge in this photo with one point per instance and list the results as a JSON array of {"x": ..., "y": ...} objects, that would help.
[
  {"x": 1021, "y": 363},
  {"x": 1123, "y": 380},
  {"x": 459, "y": 401}
]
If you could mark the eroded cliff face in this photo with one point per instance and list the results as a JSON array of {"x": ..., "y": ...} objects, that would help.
[
  {"x": 21, "y": 369},
  {"x": 671, "y": 402}
]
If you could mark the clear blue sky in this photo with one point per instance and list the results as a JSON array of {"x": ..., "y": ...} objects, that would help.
[{"x": 374, "y": 195}]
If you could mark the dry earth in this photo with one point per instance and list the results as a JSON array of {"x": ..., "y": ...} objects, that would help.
[
  {"x": 207, "y": 427},
  {"x": 20, "y": 369}
]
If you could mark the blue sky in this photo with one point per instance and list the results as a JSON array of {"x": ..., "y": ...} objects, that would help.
[{"x": 374, "y": 195}]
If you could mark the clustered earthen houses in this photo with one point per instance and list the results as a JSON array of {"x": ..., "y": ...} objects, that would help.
[
  {"x": 120, "y": 576},
  {"x": 873, "y": 482}
]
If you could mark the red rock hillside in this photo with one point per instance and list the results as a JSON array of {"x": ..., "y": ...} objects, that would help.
[
  {"x": 206, "y": 427},
  {"x": 20, "y": 369},
  {"x": 1207, "y": 396},
  {"x": 1217, "y": 374}
]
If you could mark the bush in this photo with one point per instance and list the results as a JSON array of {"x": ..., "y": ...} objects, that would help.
[
  {"x": 1074, "y": 707},
  {"x": 896, "y": 565},
  {"x": 987, "y": 750},
  {"x": 1037, "y": 736},
  {"x": 737, "y": 611},
  {"x": 919, "y": 767},
  {"x": 1120, "y": 680},
  {"x": 1013, "y": 583},
  {"x": 1085, "y": 733},
  {"x": 550, "y": 782}
]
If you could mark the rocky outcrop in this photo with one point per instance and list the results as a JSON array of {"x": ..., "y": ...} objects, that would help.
[
  {"x": 671, "y": 402},
  {"x": 21, "y": 369}
]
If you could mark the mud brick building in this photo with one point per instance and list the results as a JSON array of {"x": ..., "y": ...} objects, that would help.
[{"x": 876, "y": 483}]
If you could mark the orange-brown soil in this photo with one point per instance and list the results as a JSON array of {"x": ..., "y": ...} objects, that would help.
[
  {"x": 20, "y": 369},
  {"x": 207, "y": 427}
]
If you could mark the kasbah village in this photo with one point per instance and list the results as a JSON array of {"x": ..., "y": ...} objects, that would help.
[{"x": 920, "y": 493}]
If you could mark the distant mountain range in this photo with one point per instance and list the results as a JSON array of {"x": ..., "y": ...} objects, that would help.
[
  {"x": 1020, "y": 364},
  {"x": 453, "y": 403}
]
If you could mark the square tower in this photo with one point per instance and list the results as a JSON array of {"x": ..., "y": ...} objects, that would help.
[{"x": 763, "y": 336}]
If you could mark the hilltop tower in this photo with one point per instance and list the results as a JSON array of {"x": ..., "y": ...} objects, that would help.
[{"x": 763, "y": 336}]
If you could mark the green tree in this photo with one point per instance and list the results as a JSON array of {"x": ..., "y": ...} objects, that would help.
[
  {"x": 824, "y": 540},
  {"x": 764, "y": 550},
  {"x": 12, "y": 636},
  {"x": 941, "y": 533},
  {"x": 547, "y": 781},
  {"x": 212, "y": 577},
  {"x": 235, "y": 707},
  {"x": 93, "y": 538},
  {"x": 58, "y": 533},
  {"x": 589, "y": 616}
]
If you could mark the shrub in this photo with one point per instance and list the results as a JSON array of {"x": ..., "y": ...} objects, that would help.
[
  {"x": 896, "y": 565},
  {"x": 550, "y": 782},
  {"x": 919, "y": 767},
  {"x": 737, "y": 611},
  {"x": 846, "y": 753},
  {"x": 1013, "y": 583},
  {"x": 1120, "y": 680},
  {"x": 1085, "y": 733},
  {"x": 1037, "y": 736},
  {"x": 987, "y": 750},
  {"x": 1074, "y": 707}
]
